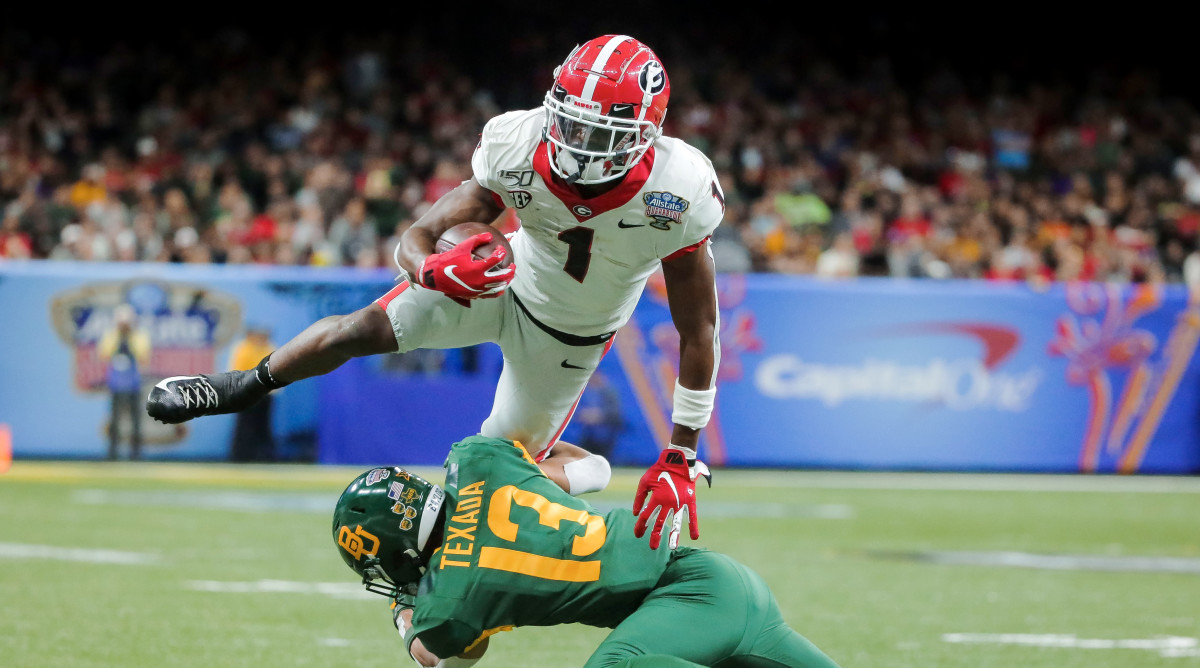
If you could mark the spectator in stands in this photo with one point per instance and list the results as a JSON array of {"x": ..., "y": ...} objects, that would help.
[
  {"x": 932, "y": 178},
  {"x": 353, "y": 234},
  {"x": 840, "y": 260}
]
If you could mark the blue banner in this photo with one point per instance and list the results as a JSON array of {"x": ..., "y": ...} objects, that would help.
[
  {"x": 54, "y": 397},
  {"x": 870, "y": 373},
  {"x": 942, "y": 375}
]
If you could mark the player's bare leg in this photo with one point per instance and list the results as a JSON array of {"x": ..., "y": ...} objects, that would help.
[
  {"x": 322, "y": 347},
  {"x": 331, "y": 342}
]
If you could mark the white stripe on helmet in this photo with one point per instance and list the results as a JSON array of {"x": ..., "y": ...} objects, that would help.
[{"x": 589, "y": 86}]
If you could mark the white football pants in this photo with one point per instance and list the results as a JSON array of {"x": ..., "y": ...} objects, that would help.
[{"x": 542, "y": 378}]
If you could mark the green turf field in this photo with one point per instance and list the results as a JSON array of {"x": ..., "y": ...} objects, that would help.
[{"x": 213, "y": 565}]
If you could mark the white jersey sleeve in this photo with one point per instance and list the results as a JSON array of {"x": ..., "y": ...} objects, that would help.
[
  {"x": 504, "y": 141},
  {"x": 706, "y": 204}
]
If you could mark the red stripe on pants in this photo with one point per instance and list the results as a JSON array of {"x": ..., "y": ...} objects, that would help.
[{"x": 391, "y": 294}]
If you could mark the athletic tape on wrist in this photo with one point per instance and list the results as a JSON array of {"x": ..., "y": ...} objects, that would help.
[
  {"x": 692, "y": 408},
  {"x": 688, "y": 453},
  {"x": 401, "y": 626},
  {"x": 263, "y": 373}
]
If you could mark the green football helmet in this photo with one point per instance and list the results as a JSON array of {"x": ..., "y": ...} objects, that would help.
[{"x": 383, "y": 524}]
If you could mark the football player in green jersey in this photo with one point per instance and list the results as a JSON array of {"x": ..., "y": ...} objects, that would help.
[{"x": 502, "y": 546}]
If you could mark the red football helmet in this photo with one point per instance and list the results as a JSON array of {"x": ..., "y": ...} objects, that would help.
[{"x": 605, "y": 109}]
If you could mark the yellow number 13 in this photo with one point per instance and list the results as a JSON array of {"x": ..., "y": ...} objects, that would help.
[{"x": 549, "y": 514}]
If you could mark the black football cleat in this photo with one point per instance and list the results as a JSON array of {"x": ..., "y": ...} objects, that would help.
[{"x": 181, "y": 398}]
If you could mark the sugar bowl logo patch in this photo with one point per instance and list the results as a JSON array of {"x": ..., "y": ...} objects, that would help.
[
  {"x": 376, "y": 475},
  {"x": 187, "y": 324},
  {"x": 665, "y": 208}
]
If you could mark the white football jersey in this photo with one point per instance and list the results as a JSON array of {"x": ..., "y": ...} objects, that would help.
[{"x": 582, "y": 263}]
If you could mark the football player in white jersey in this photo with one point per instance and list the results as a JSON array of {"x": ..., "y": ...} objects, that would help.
[{"x": 604, "y": 201}]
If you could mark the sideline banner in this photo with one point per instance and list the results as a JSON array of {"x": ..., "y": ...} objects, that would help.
[
  {"x": 870, "y": 373},
  {"x": 54, "y": 396},
  {"x": 940, "y": 375}
]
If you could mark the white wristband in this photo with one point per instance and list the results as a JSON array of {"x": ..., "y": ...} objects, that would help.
[
  {"x": 692, "y": 408},
  {"x": 688, "y": 453}
]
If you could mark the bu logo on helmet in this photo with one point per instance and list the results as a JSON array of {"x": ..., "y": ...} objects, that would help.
[
  {"x": 652, "y": 78},
  {"x": 352, "y": 541}
]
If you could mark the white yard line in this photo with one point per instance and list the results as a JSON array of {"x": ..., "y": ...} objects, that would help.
[
  {"x": 334, "y": 642},
  {"x": 87, "y": 555},
  {"x": 332, "y": 589},
  {"x": 255, "y": 502},
  {"x": 1166, "y": 646},
  {"x": 248, "y": 502},
  {"x": 1066, "y": 562}
]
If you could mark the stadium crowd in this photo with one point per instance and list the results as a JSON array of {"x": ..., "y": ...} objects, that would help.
[{"x": 221, "y": 151}]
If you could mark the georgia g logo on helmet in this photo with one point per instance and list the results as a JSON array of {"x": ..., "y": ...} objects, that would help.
[{"x": 652, "y": 79}]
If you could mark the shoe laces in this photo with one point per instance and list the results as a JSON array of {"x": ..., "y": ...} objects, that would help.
[{"x": 199, "y": 393}]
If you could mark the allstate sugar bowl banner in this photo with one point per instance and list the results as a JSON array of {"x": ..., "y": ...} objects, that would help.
[
  {"x": 54, "y": 395},
  {"x": 871, "y": 373}
]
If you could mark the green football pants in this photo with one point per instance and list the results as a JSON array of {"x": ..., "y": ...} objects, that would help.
[{"x": 708, "y": 610}]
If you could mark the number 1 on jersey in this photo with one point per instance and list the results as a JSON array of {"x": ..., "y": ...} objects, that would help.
[{"x": 579, "y": 251}]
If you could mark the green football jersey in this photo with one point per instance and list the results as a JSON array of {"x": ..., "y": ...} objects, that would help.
[{"x": 519, "y": 551}]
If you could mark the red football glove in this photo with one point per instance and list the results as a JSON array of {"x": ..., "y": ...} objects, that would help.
[
  {"x": 671, "y": 485},
  {"x": 457, "y": 273}
]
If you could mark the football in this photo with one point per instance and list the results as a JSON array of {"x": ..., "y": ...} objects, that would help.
[{"x": 463, "y": 231}]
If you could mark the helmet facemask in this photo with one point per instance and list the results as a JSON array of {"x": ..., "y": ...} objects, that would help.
[{"x": 588, "y": 147}]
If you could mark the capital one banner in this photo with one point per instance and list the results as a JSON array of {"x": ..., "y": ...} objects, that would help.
[
  {"x": 870, "y": 373},
  {"x": 956, "y": 375}
]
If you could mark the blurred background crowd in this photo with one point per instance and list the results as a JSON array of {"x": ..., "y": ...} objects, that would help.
[{"x": 220, "y": 147}]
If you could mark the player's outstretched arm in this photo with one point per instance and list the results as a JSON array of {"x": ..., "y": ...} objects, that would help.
[
  {"x": 669, "y": 485},
  {"x": 322, "y": 347}
]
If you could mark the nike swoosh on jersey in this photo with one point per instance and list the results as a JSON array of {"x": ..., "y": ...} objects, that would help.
[
  {"x": 623, "y": 225},
  {"x": 568, "y": 365},
  {"x": 671, "y": 482}
]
